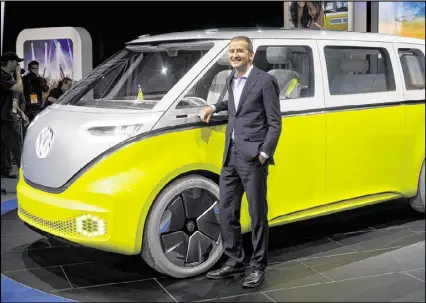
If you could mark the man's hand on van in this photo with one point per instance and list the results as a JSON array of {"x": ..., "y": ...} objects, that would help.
[{"x": 206, "y": 114}]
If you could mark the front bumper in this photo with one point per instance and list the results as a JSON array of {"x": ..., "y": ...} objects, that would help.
[{"x": 87, "y": 218}]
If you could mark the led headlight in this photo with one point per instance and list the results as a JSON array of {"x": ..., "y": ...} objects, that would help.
[
  {"x": 119, "y": 130},
  {"x": 90, "y": 226}
]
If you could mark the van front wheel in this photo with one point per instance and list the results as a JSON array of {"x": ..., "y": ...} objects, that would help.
[
  {"x": 418, "y": 202},
  {"x": 182, "y": 235}
]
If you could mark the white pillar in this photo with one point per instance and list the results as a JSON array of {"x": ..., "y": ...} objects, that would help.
[
  {"x": 360, "y": 16},
  {"x": 286, "y": 13},
  {"x": 351, "y": 16}
]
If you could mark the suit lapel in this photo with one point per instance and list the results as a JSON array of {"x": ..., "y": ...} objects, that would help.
[
  {"x": 231, "y": 100},
  {"x": 251, "y": 80}
]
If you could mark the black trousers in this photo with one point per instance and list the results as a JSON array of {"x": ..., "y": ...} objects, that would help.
[
  {"x": 6, "y": 163},
  {"x": 238, "y": 176},
  {"x": 11, "y": 142}
]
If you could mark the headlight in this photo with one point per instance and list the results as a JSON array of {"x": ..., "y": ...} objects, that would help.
[
  {"x": 90, "y": 226},
  {"x": 116, "y": 130}
]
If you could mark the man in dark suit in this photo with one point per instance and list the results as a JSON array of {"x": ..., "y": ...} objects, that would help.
[{"x": 252, "y": 134}]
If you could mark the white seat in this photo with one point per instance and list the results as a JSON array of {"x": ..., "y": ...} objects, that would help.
[
  {"x": 218, "y": 85},
  {"x": 353, "y": 80},
  {"x": 283, "y": 56}
]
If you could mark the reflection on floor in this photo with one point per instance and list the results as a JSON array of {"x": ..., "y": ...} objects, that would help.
[{"x": 373, "y": 254}]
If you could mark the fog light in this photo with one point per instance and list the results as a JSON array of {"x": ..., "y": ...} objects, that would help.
[{"x": 90, "y": 226}]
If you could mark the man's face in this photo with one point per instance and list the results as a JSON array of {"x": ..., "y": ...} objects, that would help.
[
  {"x": 33, "y": 69},
  {"x": 12, "y": 65},
  {"x": 239, "y": 55},
  {"x": 66, "y": 86}
]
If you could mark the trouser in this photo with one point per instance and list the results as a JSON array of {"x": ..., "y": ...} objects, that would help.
[
  {"x": 11, "y": 142},
  {"x": 238, "y": 176},
  {"x": 6, "y": 164}
]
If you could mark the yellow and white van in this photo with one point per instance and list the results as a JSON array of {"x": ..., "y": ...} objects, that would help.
[{"x": 122, "y": 162}]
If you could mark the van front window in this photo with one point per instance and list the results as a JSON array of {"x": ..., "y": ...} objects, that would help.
[{"x": 137, "y": 77}]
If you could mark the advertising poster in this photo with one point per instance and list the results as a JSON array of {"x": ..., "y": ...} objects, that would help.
[
  {"x": 55, "y": 58},
  {"x": 334, "y": 14},
  {"x": 405, "y": 19}
]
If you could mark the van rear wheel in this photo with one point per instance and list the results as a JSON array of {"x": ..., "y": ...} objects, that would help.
[
  {"x": 182, "y": 233},
  {"x": 418, "y": 202}
]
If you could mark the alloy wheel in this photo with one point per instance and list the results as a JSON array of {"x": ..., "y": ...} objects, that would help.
[{"x": 189, "y": 227}]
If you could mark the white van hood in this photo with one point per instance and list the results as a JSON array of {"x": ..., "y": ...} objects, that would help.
[{"x": 63, "y": 139}]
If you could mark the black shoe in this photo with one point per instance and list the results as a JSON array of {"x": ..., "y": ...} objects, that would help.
[
  {"x": 3, "y": 191},
  {"x": 254, "y": 278},
  {"x": 225, "y": 272}
]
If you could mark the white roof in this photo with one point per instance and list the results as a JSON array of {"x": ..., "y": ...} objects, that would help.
[{"x": 271, "y": 33}]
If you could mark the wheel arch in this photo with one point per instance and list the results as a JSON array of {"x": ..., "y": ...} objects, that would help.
[
  {"x": 418, "y": 201},
  {"x": 419, "y": 167},
  {"x": 177, "y": 174}
]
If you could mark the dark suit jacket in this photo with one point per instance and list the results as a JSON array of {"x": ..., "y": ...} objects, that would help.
[{"x": 257, "y": 121}]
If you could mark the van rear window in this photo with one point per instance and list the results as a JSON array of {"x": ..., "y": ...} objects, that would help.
[{"x": 413, "y": 67}]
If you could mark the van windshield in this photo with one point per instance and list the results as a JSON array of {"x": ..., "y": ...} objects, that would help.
[{"x": 137, "y": 77}]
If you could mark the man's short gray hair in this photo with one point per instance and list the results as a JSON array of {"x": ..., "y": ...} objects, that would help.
[{"x": 246, "y": 39}]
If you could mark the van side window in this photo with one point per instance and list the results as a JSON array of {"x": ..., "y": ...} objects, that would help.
[
  {"x": 413, "y": 67},
  {"x": 210, "y": 88},
  {"x": 358, "y": 70},
  {"x": 292, "y": 66}
]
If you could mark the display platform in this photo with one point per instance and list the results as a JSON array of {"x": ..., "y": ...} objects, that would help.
[{"x": 372, "y": 254}]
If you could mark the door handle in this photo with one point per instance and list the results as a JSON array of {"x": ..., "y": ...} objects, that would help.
[{"x": 187, "y": 116}]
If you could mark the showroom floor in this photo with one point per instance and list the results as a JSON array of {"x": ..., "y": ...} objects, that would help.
[{"x": 373, "y": 254}]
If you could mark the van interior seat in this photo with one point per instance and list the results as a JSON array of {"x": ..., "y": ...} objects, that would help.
[
  {"x": 412, "y": 72},
  {"x": 282, "y": 56},
  {"x": 354, "y": 80},
  {"x": 218, "y": 86}
]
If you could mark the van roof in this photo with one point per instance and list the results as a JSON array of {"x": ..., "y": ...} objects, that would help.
[{"x": 274, "y": 33}]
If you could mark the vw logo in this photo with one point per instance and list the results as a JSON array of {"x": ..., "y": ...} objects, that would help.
[{"x": 44, "y": 142}]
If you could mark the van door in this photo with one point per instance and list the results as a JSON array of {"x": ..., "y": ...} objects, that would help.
[
  {"x": 365, "y": 121},
  {"x": 412, "y": 70},
  {"x": 297, "y": 180}
]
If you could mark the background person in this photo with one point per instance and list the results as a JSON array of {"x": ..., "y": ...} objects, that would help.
[
  {"x": 34, "y": 87},
  {"x": 55, "y": 93},
  {"x": 10, "y": 110},
  {"x": 307, "y": 14},
  {"x": 7, "y": 159},
  {"x": 316, "y": 13}
]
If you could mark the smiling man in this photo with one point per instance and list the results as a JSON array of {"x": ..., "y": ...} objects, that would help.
[{"x": 252, "y": 134}]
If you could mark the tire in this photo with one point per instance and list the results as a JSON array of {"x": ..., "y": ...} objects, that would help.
[
  {"x": 182, "y": 201},
  {"x": 418, "y": 202}
]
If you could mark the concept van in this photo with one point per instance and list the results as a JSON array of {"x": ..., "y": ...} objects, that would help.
[{"x": 122, "y": 162}]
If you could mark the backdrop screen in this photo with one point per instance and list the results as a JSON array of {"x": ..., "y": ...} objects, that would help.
[{"x": 55, "y": 58}]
